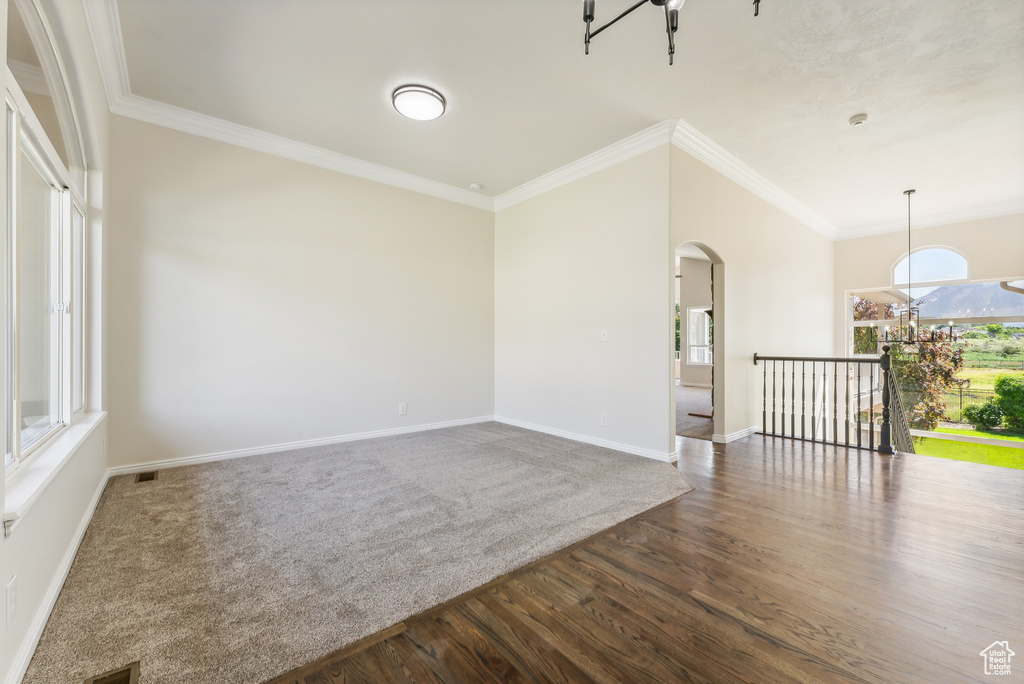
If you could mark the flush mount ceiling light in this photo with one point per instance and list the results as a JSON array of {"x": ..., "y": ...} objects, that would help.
[
  {"x": 672, "y": 8},
  {"x": 418, "y": 102}
]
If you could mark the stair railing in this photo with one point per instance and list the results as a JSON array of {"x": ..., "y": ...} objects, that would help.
[{"x": 833, "y": 400}]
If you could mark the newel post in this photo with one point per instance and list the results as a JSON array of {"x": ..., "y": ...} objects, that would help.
[{"x": 885, "y": 443}]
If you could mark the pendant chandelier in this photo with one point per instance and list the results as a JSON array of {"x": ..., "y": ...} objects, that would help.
[
  {"x": 910, "y": 319},
  {"x": 672, "y": 8}
]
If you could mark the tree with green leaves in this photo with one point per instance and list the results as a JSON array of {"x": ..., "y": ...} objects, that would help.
[
  {"x": 865, "y": 339},
  {"x": 924, "y": 376}
]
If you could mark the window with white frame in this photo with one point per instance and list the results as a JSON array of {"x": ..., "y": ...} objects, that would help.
[
  {"x": 698, "y": 336},
  {"x": 45, "y": 286}
]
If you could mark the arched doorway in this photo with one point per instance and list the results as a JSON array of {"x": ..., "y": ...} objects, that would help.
[{"x": 698, "y": 377}]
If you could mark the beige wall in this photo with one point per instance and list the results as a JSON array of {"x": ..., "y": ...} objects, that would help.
[
  {"x": 257, "y": 301},
  {"x": 994, "y": 249},
  {"x": 589, "y": 256},
  {"x": 773, "y": 281},
  {"x": 694, "y": 290}
]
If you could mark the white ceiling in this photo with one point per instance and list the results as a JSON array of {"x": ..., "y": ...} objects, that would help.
[{"x": 942, "y": 82}]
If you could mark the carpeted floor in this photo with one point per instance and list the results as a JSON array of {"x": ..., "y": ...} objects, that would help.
[
  {"x": 693, "y": 399},
  {"x": 239, "y": 570}
]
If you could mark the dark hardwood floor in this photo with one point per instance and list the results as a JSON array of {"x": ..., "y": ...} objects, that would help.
[{"x": 791, "y": 562}]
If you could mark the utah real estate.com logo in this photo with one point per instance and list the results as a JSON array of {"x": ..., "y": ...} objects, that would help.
[{"x": 997, "y": 658}]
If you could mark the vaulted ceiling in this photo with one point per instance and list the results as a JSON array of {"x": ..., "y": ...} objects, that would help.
[{"x": 942, "y": 83}]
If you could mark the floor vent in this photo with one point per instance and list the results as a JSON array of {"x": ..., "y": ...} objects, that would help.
[
  {"x": 125, "y": 675},
  {"x": 148, "y": 476}
]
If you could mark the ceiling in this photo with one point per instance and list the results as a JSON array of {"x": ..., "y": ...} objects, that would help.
[{"x": 942, "y": 82}]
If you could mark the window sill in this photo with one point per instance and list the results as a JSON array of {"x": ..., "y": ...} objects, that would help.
[{"x": 23, "y": 487}]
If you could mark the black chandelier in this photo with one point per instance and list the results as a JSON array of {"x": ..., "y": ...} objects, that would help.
[{"x": 672, "y": 8}]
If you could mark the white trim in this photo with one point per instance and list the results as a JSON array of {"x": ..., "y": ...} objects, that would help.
[
  {"x": 56, "y": 76},
  {"x": 666, "y": 456},
  {"x": 947, "y": 218},
  {"x": 644, "y": 141},
  {"x": 732, "y": 437},
  {"x": 290, "y": 446},
  {"x": 696, "y": 384},
  {"x": 698, "y": 145},
  {"x": 105, "y": 29},
  {"x": 968, "y": 438},
  {"x": 28, "y": 645},
  {"x": 151, "y": 111},
  {"x": 24, "y": 486},
  {"x": 29, "y": 77}
]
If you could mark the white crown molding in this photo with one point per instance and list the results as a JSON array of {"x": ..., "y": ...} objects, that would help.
[
  {"x": 944, "y": 219},
  {"x": 648, "y": 139},
  {"x": 169, "y": 116},
  {"x": 698, "y": 145},
  {"x": 29, "y": 77},
  {"x": 105, "y": 30}
]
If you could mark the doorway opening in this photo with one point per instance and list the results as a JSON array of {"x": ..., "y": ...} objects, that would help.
[{"x": 698, "y": 329}]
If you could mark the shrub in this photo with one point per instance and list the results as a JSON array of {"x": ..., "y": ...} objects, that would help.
[
  {"x": 1010, "y": 398},
  {"x": 986, "y": 415},
  {"x": 975, "y": 335}
]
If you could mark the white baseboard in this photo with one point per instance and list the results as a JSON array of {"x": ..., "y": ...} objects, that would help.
[
  {"x": 732, "y": 437},
  {"x": 667, "y": 456},
  {"x": 289, "y": 446},
  {"x": 35, "y": 630},
  {"x": 694, "y": 384}
]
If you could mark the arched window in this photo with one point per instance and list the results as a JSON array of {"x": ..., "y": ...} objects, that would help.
[
  {"x": 45, "y": 246},
  {"x": 929, "y": 265}
]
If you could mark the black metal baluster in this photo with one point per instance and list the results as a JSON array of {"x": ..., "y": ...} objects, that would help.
[
  {"x": 773, "y": 397},
  {"x": 814, "y": 400},
  {"x": 835, "y": 403},
  {"x": 782, "y": 416},
  {"x": 871, "y": 409},
  {"x": 764, "y": 398},
  {"x": 792, "y": 406},
  {"x": 846, "y": 402},
  {"x": 803, "y": 399},
  {"x": 860, "y": 366}
]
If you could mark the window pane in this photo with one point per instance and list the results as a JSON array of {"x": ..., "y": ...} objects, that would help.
[
  {"x": 8, "y": 290},
  {"x": 37, "y": 324},
  {"x": 77, "y": 310},
  {"x": 698, "y": 327}
]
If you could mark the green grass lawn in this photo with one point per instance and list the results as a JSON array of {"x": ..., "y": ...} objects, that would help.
[
  {"x": 1009, "y": 436},
  {"x": 984, "y": 378},
  {"x": 1007, "y": 457}
]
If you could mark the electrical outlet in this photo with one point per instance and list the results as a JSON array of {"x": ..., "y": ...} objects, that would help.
[
  {"x": 403, "y": 409},
  {"x": 12, "y": 596},
  {"x": 604, "y": 419},
  {"x": 604, "y": 335}
]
